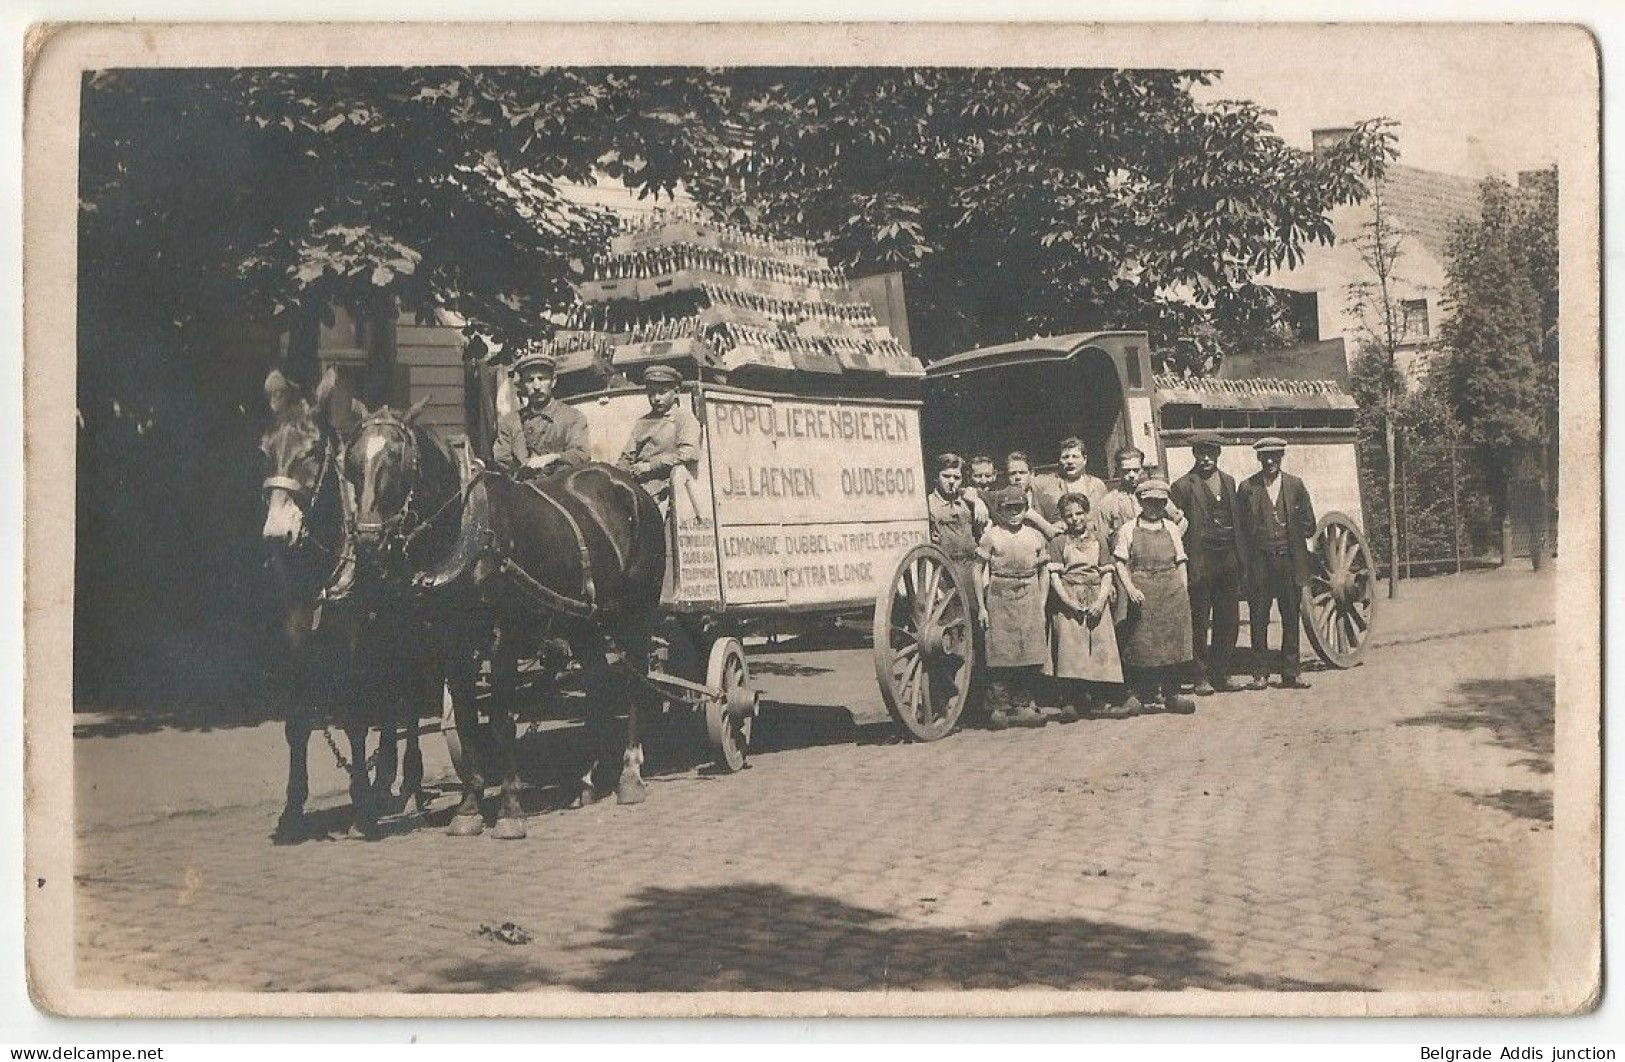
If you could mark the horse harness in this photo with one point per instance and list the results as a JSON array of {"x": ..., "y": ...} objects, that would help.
[{"x": 584, "y": 607}]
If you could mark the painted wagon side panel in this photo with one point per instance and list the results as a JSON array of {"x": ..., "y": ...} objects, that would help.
[
  {"x": 815, "y": 499},
  {"x": 796, "y": 504}
]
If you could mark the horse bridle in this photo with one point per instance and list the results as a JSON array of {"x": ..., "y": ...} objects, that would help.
[
  {"x": 304, "y": 498},
  {"x": 395, "y": 530}
]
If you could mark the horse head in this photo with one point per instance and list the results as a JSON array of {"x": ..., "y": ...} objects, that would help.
[
  {"x": 296, "y": 453},
  {"x": 384, "y": 464}
]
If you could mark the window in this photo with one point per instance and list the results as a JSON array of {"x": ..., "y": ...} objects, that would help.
[
  {"x": 1413, "y": 319},
  {"x": 1131, "y": 361},
  {"x": 1303, "y": 315}
]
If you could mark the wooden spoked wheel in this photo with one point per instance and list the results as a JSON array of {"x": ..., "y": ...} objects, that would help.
[
  {"x": 924, "y": 644},
  {"x": 728, "y": 718},
  {"x": 1339, "y": 604}
]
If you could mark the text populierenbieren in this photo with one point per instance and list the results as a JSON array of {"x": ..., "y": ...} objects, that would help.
[{"x": 815, "y": 501}]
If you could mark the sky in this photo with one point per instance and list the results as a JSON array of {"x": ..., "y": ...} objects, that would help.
[{"x": 1459, "y": 112}]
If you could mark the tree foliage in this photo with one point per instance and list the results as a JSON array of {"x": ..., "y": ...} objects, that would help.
[
  {"x": 1021, "y": 200},
  {"x": 1028, "y": 201},
  {"x": 1500, "y": 329},
  {"x": 250, "y": 194}
]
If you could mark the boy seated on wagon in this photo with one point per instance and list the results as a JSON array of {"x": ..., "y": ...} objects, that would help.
[{"x": 663, "y": 450}]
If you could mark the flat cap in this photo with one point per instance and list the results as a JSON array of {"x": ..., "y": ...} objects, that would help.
[
  {"x": 1208, "y": 439},
  {"x": 1151, "y": 488},
  {"x": 1010, "y": 498},
  {"x": 1270, "y": 443},
  {"x": 661, "y": 374},
  {"x": 534, "y": 360}
]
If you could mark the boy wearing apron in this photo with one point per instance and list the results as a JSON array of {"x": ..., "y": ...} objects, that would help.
[
  {"x": 1156, "y": 643},
  {"x": 1013, "y": 583}
]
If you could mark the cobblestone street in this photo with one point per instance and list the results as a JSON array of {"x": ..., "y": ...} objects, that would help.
[{"x": 1388, "y": 829}]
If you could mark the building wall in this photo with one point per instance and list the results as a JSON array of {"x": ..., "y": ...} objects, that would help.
[
  {"x": 1423, "y": 207},
  {"x": 429, "y": 364}
]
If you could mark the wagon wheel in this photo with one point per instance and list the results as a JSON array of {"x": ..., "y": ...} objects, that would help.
[
  {"x": 924, "y": 644},
  {"x": 1339, "y": 603},
  {"x": 728, "y": 717}
]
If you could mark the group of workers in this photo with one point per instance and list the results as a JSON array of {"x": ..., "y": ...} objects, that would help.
[
  {"x": 1108, "y": 601},
  {"x": 1093, "y": 599}
]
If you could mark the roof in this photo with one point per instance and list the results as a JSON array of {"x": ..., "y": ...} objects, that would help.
[
  {"x": 1262, "y": 393},
  {"x": 1322, "y": 360},
  {"x": 1427, "y": 205},
  {"x": 1022, "y": 352}
]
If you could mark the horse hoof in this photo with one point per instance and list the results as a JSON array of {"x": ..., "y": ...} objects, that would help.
[
  {"x": 631, "y": 791},
  {"x": 465, "y": 826},
  {"x": 509, "y": 830},
  {"x": 586, "y": 798},
  {"x": 363, "y": 831},
  {"x": 290, "y": 829}
]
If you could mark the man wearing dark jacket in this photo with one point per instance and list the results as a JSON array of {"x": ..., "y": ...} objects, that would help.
[
  {"x": 1213, "y": 513},
  {"x": 1277, "y": 520}
]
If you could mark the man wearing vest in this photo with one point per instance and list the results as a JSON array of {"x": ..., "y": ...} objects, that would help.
[
  {"x": 1277, "y": 520},
  {"x": 1212, "y": 509}
]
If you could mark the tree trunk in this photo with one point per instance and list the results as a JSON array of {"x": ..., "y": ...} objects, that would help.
[
  {"x": 1508, "y": 478},
  {"x": 302, "y": 365},
  {"x": 1537, "y": 516},
  {"x": 1393, "y": 508}
]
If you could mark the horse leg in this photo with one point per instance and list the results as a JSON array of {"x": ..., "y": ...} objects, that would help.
[
  {"x": 462, "y": 673},
  {"x": 364, "y": 814},
  {"x": 388, "y": 721},
  {"x": 598, "y": 683},
  {"x": 290, "y": 826},
  {"x": 301, "y": 708},
  {"x": 632, "y": 789},
  {"x": 422, "y": 695},
  {"x": 504, "y": 682}
]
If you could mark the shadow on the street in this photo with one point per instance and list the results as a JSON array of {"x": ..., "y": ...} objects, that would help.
[
  {"x": 494, "y": 977},
  {"x": 784, "y": 727},
  {"x": 1532, "y": 804},
  {"x": 1518, "y": 713},
  {"x": 110, "y": 724},
  {"x": 787, "y": 668},
  {"x": 767, "y": 938}
]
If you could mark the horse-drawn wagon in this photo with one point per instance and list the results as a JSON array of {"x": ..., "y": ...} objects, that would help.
[
  {"x": 1100, "y": 387},
  {"x": 802, "y": 509},
  {"x": 807, "y": 501}
]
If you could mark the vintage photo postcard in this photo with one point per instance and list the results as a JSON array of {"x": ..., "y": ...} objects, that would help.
[{"x": 813, "y": 519}]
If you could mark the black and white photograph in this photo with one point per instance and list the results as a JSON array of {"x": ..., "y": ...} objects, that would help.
[{"x": 813, "y": 520}]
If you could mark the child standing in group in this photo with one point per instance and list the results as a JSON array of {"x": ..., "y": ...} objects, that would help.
[
  {"x": 1083, "y": 641},
  {"x": 1013, "y": 583},
  {"x": 1156, "y": 646}
]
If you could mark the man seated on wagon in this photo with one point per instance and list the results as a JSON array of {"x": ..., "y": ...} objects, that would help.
[
  {"x": 664, "y": 448},
  {"x": 545, "y": 435}
]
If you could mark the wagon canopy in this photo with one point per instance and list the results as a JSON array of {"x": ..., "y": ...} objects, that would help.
[{"x": 1031, "y": 394}]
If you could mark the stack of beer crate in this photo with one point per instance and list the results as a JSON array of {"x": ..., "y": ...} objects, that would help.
[{"x": 678, "y": 289}]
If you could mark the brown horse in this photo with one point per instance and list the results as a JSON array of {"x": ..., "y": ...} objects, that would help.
[
  {"x": 500, "y": 565},
  {"x": 306, "y": 539}
]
